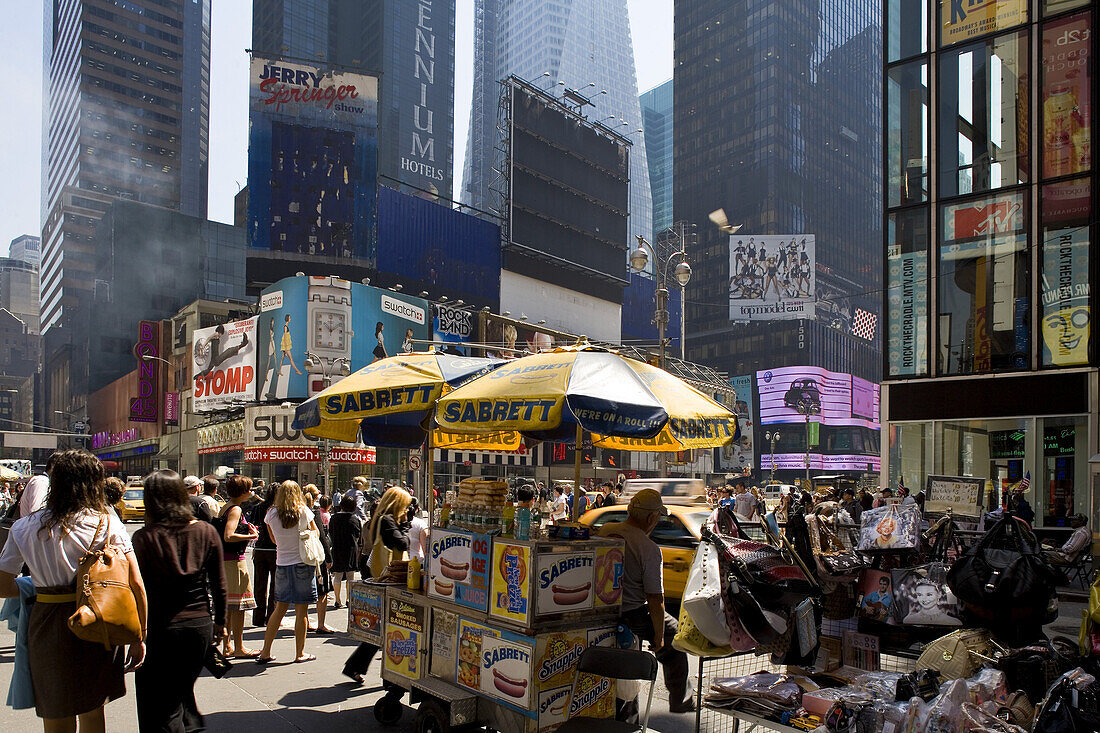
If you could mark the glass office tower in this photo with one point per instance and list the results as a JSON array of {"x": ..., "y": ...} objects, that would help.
[
  {"x": 989, "y": 360},
  {"x": 657, "y": 123}
]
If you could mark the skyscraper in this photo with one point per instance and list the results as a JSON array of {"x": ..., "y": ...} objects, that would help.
[
  {"x": 127, "y": 97},
  {"x": 657, "y": 123},
  {"x": 26, "y": 248},
  {"x": 778, "y": 122},
  {"x": 410, "y": 43},
  {"x": 570, "y": 44}
]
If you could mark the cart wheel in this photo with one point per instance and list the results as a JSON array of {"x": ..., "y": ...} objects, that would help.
[
  {"x": 387, "y": 710},
  {"x": 431, "y": 717}
]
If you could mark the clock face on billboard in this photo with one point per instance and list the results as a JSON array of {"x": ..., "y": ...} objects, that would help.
[{"x": 329, "y": 330}]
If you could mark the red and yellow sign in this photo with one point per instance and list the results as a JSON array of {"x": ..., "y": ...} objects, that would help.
[
  {"x": 964, "y": 19},
  {"x": 404, "y": 641}
]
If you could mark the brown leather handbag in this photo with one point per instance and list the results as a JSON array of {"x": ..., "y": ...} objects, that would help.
[{"x": 106, "y": 610}]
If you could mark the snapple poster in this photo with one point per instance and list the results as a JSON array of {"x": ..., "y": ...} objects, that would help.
[
  {"x": 332, "y": 319},
  {"x": 312, "y": 160}
]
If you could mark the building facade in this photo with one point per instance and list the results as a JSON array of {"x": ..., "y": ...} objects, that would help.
[
  {"x": 657, "y": 123},
  {"x": 582, "y": 45},
  {"x": 777, "y": 123},
  {"x": 127, "y": 94},
  {"x": 990, "y": 368},
  {"x": 26, "y": 248},
  {"x": 19, "y": 290},
  {"x": 410, "y": 44}
]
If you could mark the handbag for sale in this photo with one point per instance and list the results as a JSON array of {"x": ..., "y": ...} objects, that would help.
[
  {"x": 703, "y": 595},
  {"x": 839, "y": 604},
  {"x": 1034, "y": 668},
  {"x": 1004, "y": 577},
  {"x": 690, "y": 640},
  {"x": 923, "y": 598},
  {"x": 106, "y": 609},
  {"x": 890, "y": 527},
  {"x": 1072, "y": 705},
  {"x": 833, "y": 559},
  {"x": 958, "y": 654},
  {"x": 770, "y": 573}
]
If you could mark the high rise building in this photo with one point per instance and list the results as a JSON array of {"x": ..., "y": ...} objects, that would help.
[
  {"x": 26, "y": 248},
  {"x": 410, "y": 44},
  {"x": 657, "y": 123},
  {"x": 127, "y": 93},
  {"x": 19, "y": 291},
  {"x": 778, "y": 123},
  {"x": 582, "y": 45},
  {"x": 990, "y": 365}
]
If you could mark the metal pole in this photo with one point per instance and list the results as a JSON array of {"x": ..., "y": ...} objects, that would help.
[
  {"x": 683, "y": 320},
  {"x": 662, "y": 318},
  {"x": 179, "y": 423},
  {"x": 573, "y": 514},
  {"x": 807, "y": 450}
]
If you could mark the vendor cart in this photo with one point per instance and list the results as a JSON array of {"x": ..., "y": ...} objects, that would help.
[{"x": 502, "y": 651}]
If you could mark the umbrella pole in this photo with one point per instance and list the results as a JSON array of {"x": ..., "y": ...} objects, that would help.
[
  {"x": 574, "y": 515},
  {"x": 429, "y": 461}
]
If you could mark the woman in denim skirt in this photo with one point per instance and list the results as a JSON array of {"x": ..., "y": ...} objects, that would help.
[{"x": 295, "y": 583}]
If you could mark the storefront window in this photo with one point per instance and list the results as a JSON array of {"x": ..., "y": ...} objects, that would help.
[
  {"x": 1063, "y": 479},
  {"x": 1052, "y": 7},
  {"x": 984, "y": 277},
  {"x": 907, "y": 133},
  {"x": 910, "y": 454},
  {"x": 1065, "y": 317},
  {"x": 963, "y": 21},
  {"x": 907, "y": 293},
  {"x": 983, "y": 118},
  {"x": 1067, "y": 98},
  {"x": 989, "y": 449},
  {"x": 906, "y": 28}
]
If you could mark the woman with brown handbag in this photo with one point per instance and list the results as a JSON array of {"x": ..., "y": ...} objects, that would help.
[
  {"x": 72, "y": 678},
  {"x": 181, "y": 561}
]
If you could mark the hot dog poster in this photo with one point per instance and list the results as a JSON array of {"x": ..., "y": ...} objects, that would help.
[
  {"x": 564, "y": 581},
  {"x": 458, "y": 567},
  {"x": 470, "y": 639},
  {"x": 609, "y": 576},
  {"x": 365, "y": 612},
  {"x": 404, "y": 639},
  {"x": 553, "y": 705},
  {"x": 506, "y": 671},
  {"x": 510, "y": 591}
]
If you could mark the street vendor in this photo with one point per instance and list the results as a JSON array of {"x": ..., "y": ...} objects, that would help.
[{"x": 643, "y": 608}]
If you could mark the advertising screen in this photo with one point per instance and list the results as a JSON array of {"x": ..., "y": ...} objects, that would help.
[
  {"x": 738, "y": 456},
  {"x": 833, "y": 398},
  {"x": 453, "y": 327},
  {"x": 772, "y": 278},
  {"x": 223, "y": 362},
  {"x": 312, "y": 159},
  {"x": 332, "y": 319}
]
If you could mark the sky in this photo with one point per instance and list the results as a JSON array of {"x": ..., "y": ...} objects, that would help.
[{"x": 231, "y": 32}]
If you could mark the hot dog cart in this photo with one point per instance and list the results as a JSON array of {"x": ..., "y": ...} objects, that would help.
[{"x": 495, "y": 638}]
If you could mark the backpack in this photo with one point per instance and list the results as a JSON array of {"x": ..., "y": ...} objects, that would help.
[{"x": 106, "y": 610}]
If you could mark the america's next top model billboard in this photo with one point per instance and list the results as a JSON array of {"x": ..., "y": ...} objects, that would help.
[
  {"x": 832, "y": 398},
  {"x": 312, "y": 160},
  {"x": 332, "y": 319},
  {"x": 772, "y": 278}
]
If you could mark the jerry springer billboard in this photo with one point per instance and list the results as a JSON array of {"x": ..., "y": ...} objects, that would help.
[{"x": 332, "y": 319}]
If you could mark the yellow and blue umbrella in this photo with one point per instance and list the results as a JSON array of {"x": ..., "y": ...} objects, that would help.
[
  {"x": 623, "y": 402},
  {"x": 390, "y": 403}
]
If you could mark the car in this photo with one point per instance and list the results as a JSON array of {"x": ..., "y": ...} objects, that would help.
[
  {"x": 803, "y": 396},
  {"x": 132, "y": 504},
  {"x": 672, "y": 490},
  {"x": 677, "y": 535},
  {"x": 774, "y": 492}
]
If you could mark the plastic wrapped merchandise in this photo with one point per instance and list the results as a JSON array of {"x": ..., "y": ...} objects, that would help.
[
  {"x": 895, "y": 717},
  {"x": 774, "y": 688},
  {"x": 976, "y": 719},
  {"x": 989, "y": 685},
  {"x": 883, "y": 685},
  {"x": 945, "y": 712}
]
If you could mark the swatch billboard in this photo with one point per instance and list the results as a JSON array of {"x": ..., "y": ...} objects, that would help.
[{"x": 333, "y": 319}]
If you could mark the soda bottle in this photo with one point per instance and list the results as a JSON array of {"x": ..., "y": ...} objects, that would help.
[{"x": 523, "y": 523}]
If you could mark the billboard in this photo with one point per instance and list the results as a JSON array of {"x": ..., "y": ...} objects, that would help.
[
  {"x": 960, "y": 21},
  {"x": 772, "y": 278},
  {"x": 332, "y": 319},
  {"x": 834, "y": 398},
  {"x": 453, "y": 326},
  {"x": 144, "y": 407},
  {"x": 312, "y": 159},
  {"x": 1065, "y": 317},
  {"x": 738, "y": 456},
  {"x": 907, "y": 311},
  {"x": 223, "y": 362},
  {"x": 513, "y": 337},
  {"x": 269, "y": 438},
  {"x": 1067, "y": 96},
  {"x": 821, "y": 462}
]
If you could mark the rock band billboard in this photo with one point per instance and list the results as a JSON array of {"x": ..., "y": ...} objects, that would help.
[{"x": 772, "y": 277}]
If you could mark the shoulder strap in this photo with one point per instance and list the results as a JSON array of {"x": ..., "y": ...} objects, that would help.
[{"x": 102, "y": 521}]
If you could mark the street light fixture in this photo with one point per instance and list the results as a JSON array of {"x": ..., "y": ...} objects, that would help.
[
  {"x": 179, "y": 418},
  {"x": 807, "y": 408},
  {"x": 639, "y": 258},
  {"x": 772, "y": 436}
]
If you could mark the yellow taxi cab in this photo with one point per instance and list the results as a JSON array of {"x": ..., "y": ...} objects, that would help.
[
  {"x": 677, "y": 535},
  {"x": 132, "y": 504}
]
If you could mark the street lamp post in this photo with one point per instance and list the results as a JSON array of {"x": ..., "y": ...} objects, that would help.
[
  {"x": 329, "y": 369},
  {"x": 682, "y": 272},
  {"x": 773, "y": 436},
  {"x": 807, "y": 408},
  {"x": 179, "y": 418}
]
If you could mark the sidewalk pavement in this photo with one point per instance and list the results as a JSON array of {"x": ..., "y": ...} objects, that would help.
[{"x": 281, "y": 697}]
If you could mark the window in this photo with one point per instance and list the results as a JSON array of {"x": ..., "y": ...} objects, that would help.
[
  {"x": 907, "y": 134},
  {"x": 1065, "y": 317},
  {"x": 983, "y": 286},
  {"x": 907, "y": 286},
  {"x": 983, "y": 129},
  {"x": 606, "y": 517},
  {"x": 671, "y": 532},
  {"x": 907, "y": 28},
  {"x": 1067, "y": 85},
  {"x": 961, "y": 21}
]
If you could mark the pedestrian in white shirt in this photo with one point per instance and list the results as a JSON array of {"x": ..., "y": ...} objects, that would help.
[
  {"x": 34, "y": 496},
  {"x": 559, "y": 510}
]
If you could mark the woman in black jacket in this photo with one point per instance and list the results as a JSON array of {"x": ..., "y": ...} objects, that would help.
[
  {"x": 344, "y": 529},
  {"x": 386, "y": 539},
  {"x": 263, "y": 560}
]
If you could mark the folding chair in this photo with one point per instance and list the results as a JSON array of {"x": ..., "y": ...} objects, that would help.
[
  {"x": 1081, "y": 570},
  {"x": 620, "y": 664}
]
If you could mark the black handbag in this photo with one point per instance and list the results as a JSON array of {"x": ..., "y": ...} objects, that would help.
[
  {"x": 1004, "y": 578},
  {"x": 215, "y": 662},
  {"x": 1071, "y": 706}
]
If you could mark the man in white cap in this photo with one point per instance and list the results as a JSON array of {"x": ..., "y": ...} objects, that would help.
[
  {"x": 198, "y": 505},
  {"x": 643, "y": 609}
]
